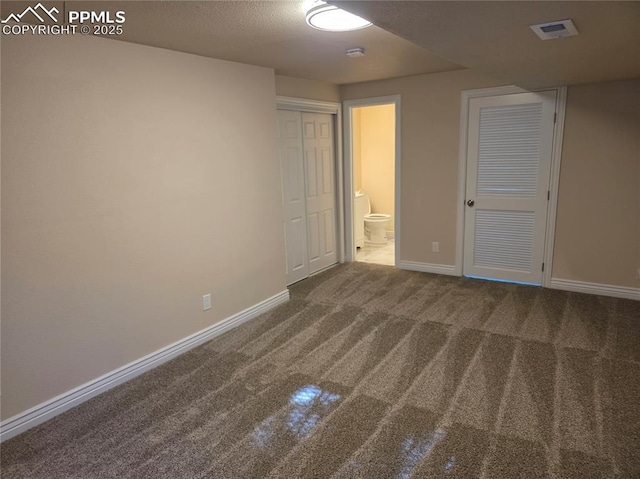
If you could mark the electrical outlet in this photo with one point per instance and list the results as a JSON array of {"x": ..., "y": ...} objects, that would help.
[
  {"x": 206, "y": 302},
  {"x": 435, "y": 247},
  {"x": 638, "y": 274}
]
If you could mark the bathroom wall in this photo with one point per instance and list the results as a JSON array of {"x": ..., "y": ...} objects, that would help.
[
  {"x": 375, "y": 132},
  {"x": 129, "y": 190}
]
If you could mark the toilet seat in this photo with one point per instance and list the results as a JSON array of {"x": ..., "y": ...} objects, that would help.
[{"x": 377, "y": 217}]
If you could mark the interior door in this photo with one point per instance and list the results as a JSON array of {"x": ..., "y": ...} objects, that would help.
[
  {"x": 317, "y": 129},
  {"x": 293, "y": 194},
  {"x": 508, "y": 166}
]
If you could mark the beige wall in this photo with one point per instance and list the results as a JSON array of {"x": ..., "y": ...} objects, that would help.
[
  {"x": 134, "y": 181},
  {"x": 430, "y": 122},
  {"x": 374, "y": 152},
  {"x": 598, "y": 224},
  {"x": 309, "y": 89}
]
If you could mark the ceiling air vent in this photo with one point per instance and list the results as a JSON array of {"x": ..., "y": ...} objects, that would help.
[{"x": 558, "y": 29}]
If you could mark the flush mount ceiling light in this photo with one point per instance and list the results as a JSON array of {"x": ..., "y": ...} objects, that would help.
[{"x": 332, "y": 19}]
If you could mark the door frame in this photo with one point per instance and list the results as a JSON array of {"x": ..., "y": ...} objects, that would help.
[
  {"x": 334, "y": 109},
  {"x": 349, "y": 105},
  {"x": 554, "y": 179}
]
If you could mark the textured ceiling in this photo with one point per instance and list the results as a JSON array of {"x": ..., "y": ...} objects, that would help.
[
  {"x": 272, "y": 34},
  {"x": 495, "y": 37}
]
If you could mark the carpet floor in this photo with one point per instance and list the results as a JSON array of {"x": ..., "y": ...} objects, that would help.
[{"x": 373, "y": 372}]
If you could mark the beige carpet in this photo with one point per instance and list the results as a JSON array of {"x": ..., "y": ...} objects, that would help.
[{"x": 373, "y": 372}]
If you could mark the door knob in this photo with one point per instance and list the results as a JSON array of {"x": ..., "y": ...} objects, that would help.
[{"x": 471, "y": 203}]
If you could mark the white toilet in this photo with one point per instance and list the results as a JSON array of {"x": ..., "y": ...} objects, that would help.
[
  {"x": 375, "y": 227},
  {"x": 375, "y": 224}
]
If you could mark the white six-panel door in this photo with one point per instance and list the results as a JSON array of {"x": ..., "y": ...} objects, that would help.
[
  {"x": 293, "y": 194},
  {"x": 308, "y": 192},
  {"x": 508, "y": 166},
  {"x": 320, "y": 187}
]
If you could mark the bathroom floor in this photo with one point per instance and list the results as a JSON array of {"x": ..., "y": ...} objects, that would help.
[{"x": 377, "y": 253}]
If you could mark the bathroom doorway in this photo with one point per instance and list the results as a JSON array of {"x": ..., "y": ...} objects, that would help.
[{"x": 372, "y": 179}]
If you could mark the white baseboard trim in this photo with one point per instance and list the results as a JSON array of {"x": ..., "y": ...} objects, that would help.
[
  {"x": 595, "y": 288},
  {"x": 59, "y": 404},
  {"x": 428, "y": 268}
]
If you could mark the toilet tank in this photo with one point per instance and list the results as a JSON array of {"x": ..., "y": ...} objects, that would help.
[{"x": 362, "y": 207}]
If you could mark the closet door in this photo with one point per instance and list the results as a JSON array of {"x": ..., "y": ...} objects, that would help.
[
  {"x": 508, "y": 168},
  {"x": 293, "y": 194},
  {"x": 317, "y": 130}
]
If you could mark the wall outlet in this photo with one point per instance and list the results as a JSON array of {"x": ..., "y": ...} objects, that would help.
[
  {"x": 638, "y": 274},
  {"x": 435, "y": 247},
  {"x": 206, "y": 302}
]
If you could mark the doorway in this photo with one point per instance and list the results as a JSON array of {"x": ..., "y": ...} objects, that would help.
[
  {"x": 508, "y": 195},
  {"x": 372, "y": 157}
]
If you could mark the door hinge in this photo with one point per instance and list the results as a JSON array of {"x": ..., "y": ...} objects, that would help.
[
  {"x": 555, "y": 117},
  {"x": 548, "y": 194},
  {"x": 543, "y": 267}
]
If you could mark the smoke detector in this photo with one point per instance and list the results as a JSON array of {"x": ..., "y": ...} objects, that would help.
[
  {"x": 355, "y": 52},
  {"x": 557, "y": 29}
]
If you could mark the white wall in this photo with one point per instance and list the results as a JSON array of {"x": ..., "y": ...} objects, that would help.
[{"x": 134, "y": 180}]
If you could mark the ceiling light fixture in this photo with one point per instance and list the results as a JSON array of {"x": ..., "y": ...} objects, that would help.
[{"x": 332, "y": 19}]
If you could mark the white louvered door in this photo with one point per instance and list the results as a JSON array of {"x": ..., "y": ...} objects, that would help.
[{"x": 508, "y": 166}]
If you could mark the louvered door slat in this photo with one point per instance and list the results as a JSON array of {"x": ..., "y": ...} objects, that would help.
[
  {"x": 504, "y": 239},
  {"x": 509, "y": 150}
]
